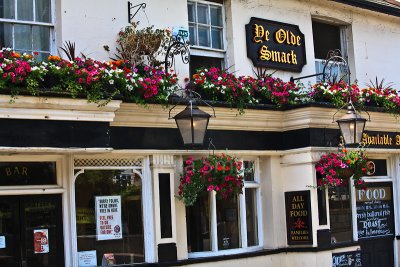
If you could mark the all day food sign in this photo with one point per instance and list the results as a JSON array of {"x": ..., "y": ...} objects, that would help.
[{"x": 108, "y": 217}]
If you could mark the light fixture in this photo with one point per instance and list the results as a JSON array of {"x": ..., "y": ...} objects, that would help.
[
  {"x": 351, "y": 125},
  {"x": 192, "y": 122}
]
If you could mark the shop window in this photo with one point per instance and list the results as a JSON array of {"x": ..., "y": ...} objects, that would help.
[
  {"x": 206, "y": 30},
  {"x": 326, "y": 38},
  {"x": 340, "y": 214},
  {"x": 235, "y": 223},
  {"x": 26, "y": 26},
  {"x": 109, "y": 219}
]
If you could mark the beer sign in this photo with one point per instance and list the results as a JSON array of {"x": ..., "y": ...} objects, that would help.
[{"x": 298, "y": 218}]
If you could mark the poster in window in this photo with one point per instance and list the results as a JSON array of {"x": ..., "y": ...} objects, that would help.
[
  {"x": 87, "y": 258},
  {"x": 41, "y": 241},
  {"x": 298, "y": 218},
  {"x": 108, "y": 217},
  {"x": 375, "y": 215}
]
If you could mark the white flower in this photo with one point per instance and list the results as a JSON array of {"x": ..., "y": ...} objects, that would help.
[
  {"x": 111, "y": 81},
  {"x": 219, "y": 78},
  {"x": 129, "y": 87},
  {"x": 366, "y": 94},
  {"x": 140, "y": 79}
]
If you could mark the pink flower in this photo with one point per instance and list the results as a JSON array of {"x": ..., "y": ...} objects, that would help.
[{"x": 210, "y": 188}]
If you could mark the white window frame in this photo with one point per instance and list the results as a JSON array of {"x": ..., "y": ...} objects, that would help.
[
  {"x": 147, "y": 207},
  {"x": 205, "y": 51},
  {"x": 319, "y": 63},
  {"x": 51, "y": 25},
  {"x": 242, "y": 219}
]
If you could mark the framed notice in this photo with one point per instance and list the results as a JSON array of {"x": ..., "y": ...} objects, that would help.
[
  {"x": 41, "y": 241},
  {"x": 347, "y": 259},
  {"x": 108, "y": 217},
  {"x": 375, "y": 215},
  {"x": 298, "y": 218},
  {"x": 87, "y": 258}
]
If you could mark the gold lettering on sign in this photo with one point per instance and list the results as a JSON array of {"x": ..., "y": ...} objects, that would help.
[
  {"x": 259, "y": 34},
  {"x": 22, "y": 171},
  {"x": 277, "y": 56},
  {"x": 378, "y": 139},
  {"x": 285, "y": 36}
]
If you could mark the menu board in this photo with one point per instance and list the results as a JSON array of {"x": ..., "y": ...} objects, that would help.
[
  {"x": 375, "y": 216},
  {"x": 347, "y": 259},
  {"x": 298, "y": 218}
]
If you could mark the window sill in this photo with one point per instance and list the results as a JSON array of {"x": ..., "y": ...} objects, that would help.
[{"x": 206, "y": 51}]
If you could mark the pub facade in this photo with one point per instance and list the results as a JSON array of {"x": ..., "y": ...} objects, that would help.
[{"x": 83, "y": 184}]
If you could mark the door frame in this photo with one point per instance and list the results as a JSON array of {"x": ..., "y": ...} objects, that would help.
[{"x": 63, "y": 164}]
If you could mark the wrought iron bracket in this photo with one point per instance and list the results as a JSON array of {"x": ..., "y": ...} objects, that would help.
[
  {"x": 176, "y": 46},
  {"x": 192, "y": 97},
  {"x": 335, "y": 69},
  {"x": 131, "y": 6}
]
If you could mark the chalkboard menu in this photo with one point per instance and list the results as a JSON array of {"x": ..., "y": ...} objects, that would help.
[
  {"x": 347, "y": 259},
  {"x": 375, "y": 216},
  {"x": 298, "y": 218}
]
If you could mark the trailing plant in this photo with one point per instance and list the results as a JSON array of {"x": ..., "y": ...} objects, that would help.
[
  {"x": 335, "y": 169},
  {"x": 219, "y": 173}
]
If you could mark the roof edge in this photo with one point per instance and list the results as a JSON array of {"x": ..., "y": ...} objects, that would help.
[{"x": 371, "y": 6}]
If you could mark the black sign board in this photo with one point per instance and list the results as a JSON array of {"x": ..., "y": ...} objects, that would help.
[
  {"x": 298, "y": 218},
  {"x": 27, "y": 173},
  {"x": 275, "y": 45},
  {"x": 347, "y": 259},
  {"x": 375, "y": 216}
]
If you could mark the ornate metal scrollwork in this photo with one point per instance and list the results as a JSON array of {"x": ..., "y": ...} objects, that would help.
[
  {"x": 336, "y": 68},
  {"x": 177, "y": 46},
  {"x": 131, "y": 6}
]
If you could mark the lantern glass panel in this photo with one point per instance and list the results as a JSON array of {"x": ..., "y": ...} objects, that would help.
[
  {"x": 347, "y": 129},
  {"x": 199, "y": 128},
  {"x": 359, "y": 130},
  {"x": 185, "y": 128}
]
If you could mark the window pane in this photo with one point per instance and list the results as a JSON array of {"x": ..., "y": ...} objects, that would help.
[
  {"x": 216, "y": 16},
  {"x": 43, "y": 10},
  {"x": 204, "y": 36},
  {"x": 248, "y": 170},
  {"x": 7, "y": 9},
  {"x": 6, "y": 35},
  {"x": 326, "y": 37},
  {"x": 128, "y": 186},
  {"x": 217, "y": 38},
  {"x": 23, "y": 37},
  {"x": 202, "y": 14},
  {"x": 198, "y": 225},
  {"x": 41, "y": 38},
  {"x": 228, "y": 228},
  {"x": 340, "y": 214},
  {"x": 192, "y": 34},
  {"x": 191, "y": 12},
  {"x": 251, "y": 217},
  {"x": 25, "y": 10}
]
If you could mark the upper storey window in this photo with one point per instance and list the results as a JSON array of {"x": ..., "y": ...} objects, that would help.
[{"x": 27, "y": 26}]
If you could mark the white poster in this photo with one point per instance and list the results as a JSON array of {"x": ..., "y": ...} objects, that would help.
[
  {"x": 108, "y": 217},
  {"x": 41, "y": 241},
  {"x": 87, "y": 258},
  {"x": 2, "y": 241}
]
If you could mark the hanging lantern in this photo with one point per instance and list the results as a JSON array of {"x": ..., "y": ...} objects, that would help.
[
  {"x": 192, "y": 123},
  {"x": 351, "y": 126}
]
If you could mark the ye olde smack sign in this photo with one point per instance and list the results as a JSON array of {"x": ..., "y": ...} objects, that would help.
[
  {"x": 298, "y": 218},
  {"x": 275, "y": 45}
]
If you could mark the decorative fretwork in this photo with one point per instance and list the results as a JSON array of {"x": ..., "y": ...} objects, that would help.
[{"x": 109, "y": 162}]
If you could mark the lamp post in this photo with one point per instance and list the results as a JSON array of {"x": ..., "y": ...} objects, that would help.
[{"x": 351, "y": 125}]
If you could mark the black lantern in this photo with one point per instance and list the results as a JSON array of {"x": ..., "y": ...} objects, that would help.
[
  {"x": 351, "y": 126},
  {"x": 192, "y": 123}
]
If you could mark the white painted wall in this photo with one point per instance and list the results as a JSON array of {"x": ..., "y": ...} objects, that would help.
[{"x": 94, "y": 23}]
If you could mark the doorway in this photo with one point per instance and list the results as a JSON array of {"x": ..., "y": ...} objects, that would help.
[{"x": 31, "y": 231}]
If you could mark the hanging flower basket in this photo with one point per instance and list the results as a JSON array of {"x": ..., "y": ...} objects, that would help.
[
  {"x": 336, "y": 169},
  {"x": 221, "y": 173}
]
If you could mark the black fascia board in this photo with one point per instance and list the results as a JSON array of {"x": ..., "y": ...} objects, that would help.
[{"x": 373, "y": 6}]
